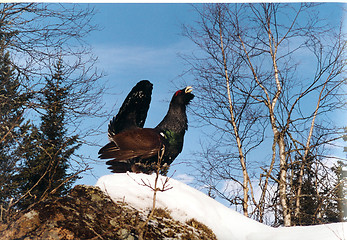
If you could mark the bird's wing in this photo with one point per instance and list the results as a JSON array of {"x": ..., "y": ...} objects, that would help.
[
  {"x": 134, "y": 143},
  {"x": 133, "y": 111}
]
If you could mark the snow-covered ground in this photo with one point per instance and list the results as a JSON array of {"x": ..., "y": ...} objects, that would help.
[{"x": 185, "y": 203}]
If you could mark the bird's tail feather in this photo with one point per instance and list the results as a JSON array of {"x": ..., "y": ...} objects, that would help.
[{"x": 119, "y": 167}]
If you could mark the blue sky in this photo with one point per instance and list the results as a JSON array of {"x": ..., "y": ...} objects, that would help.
[{"x": 143, "y": 41}]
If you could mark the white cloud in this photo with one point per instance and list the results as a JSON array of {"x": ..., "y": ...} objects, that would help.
[{"x": 185, "y": 178}]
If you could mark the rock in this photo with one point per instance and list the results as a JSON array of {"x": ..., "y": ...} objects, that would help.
[{"x": 87, "y": 213}]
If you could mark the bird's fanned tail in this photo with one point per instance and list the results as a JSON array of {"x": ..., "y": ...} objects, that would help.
[{"x": 133, "y": 112}]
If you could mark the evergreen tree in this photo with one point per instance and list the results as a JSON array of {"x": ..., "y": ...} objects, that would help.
[
  {"x": 335, "y": 206},
  {"x": 320, "y": 203},
  {"x": 309, "y": 200},
  {"x": 45, "y": 171},
  {"x": 12, "y": 128}
]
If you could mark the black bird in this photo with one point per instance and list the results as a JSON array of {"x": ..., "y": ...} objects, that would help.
[{"x": 135, "y": 149}]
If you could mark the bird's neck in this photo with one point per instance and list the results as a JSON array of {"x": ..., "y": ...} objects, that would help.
[{"x": 175, "y": 120}]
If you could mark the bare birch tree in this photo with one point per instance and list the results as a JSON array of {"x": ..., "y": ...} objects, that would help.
[{"x": 254, "y": 87}]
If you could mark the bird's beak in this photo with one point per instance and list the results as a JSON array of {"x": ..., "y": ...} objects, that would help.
[{"x": 188, "y": 89}]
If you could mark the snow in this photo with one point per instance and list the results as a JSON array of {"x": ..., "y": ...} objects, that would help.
[{"x": 185, "y": 203}]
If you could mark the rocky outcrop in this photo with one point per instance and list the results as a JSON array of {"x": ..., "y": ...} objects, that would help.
[{"x": 87, "y": 213}]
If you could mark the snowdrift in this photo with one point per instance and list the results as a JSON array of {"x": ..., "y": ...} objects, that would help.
[{"x": 185, "y": 203}]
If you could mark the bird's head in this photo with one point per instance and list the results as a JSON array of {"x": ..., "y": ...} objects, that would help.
[{"x": 183, "y": 96}]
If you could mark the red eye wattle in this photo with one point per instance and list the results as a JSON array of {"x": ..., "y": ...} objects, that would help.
[{"x": 179, "y": 91}]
